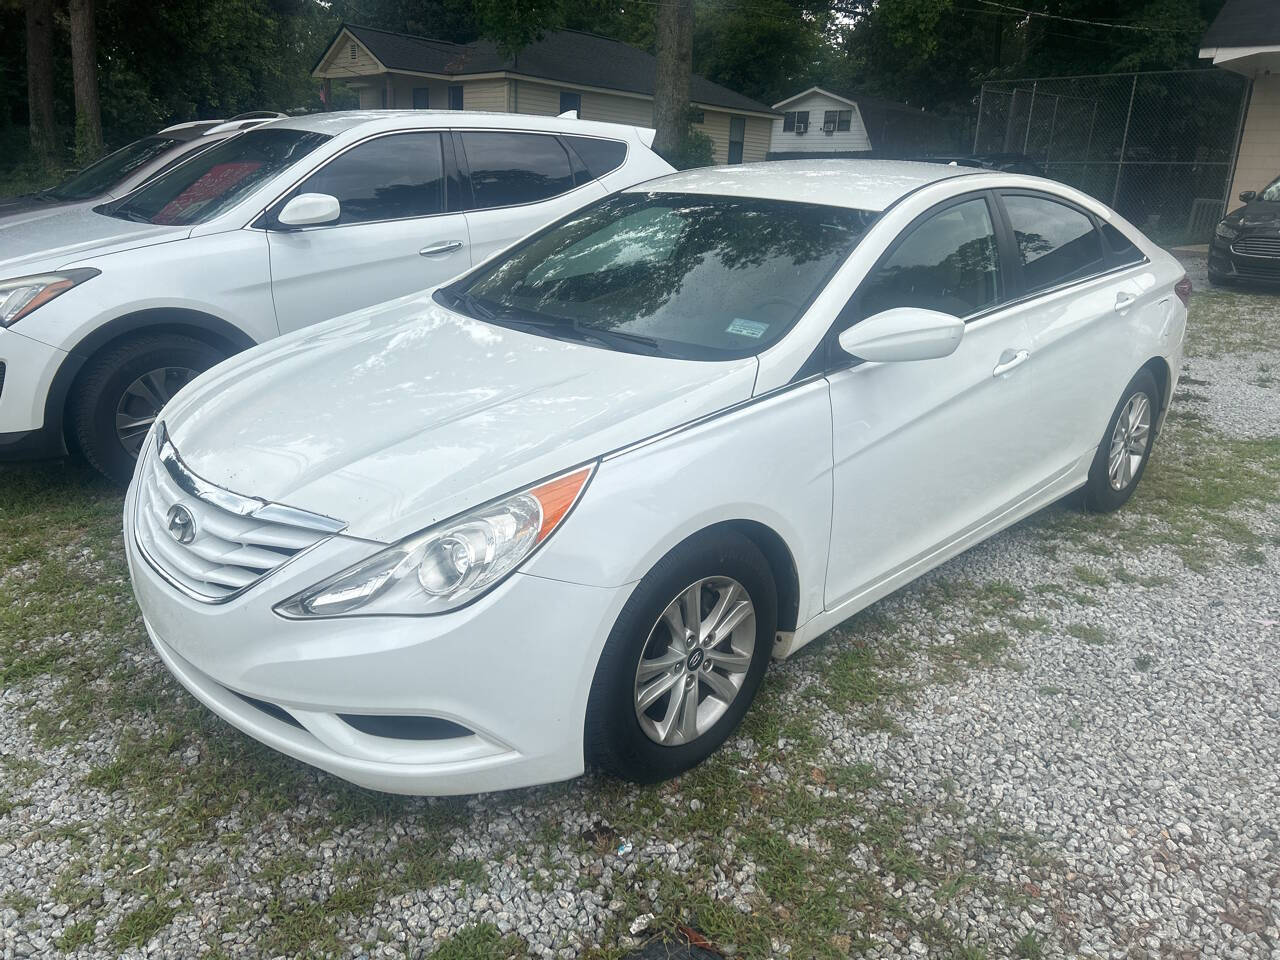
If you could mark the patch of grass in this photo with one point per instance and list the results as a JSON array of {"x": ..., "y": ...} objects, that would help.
[
  {"x": 1028, "y": 947},
  {"x": 481, "y": 942},
  {"x": 141, "y": 924},
  {"x": 1089, "y": 633},
  {"x": 77, "y": 935},
  {"x": 1143, "y": 663},
  {"x": 1090, "y": 577}
]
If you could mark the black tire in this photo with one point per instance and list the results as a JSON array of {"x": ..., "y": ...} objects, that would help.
[
  {"x": 101, "y": 387},
  {"x": 614, "y": 739},
  {"x": 1100, "y": 494}
]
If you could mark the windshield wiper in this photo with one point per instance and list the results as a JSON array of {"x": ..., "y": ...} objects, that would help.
[
  {"x": 575, "y": 330},
  {"x": 472, "y": 305}
]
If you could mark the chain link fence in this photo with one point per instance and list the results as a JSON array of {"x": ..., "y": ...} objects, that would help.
[{"x": 1159, "y": 147}]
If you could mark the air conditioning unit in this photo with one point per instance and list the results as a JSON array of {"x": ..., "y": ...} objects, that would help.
[
  {"x": 802, "y": 127},
  {"x": 829, "y": 127}
]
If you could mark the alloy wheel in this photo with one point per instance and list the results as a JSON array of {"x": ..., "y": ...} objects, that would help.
[
  {"x": 143, "y": 400},
  {"x": 695, "y": 661},
  {"x": 1129, "y": 441}
]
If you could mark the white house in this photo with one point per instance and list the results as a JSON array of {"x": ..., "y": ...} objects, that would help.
[
  {"x": 1245, "y": 38},
  {"x": 819, "y": 122}
]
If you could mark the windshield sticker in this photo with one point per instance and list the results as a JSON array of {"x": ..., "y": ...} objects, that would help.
[{"x": 747, "y": 328}]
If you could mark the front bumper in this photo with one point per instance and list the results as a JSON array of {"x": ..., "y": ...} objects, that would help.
[
  {"x": 1227, "y": 262},
  {"x": 514, "y": 669},
  {"x": 29, "y": 367}
]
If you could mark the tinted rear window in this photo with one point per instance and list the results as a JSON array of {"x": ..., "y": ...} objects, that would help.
[
  {"x": 599, "y": 156},
  {"x": 1058, "y": 243},
  {"x": 513, "y": 168}
]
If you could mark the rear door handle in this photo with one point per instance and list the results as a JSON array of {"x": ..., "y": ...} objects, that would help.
[
  {"x": 1124, "y": 301},
  {"x": 1010, "y": 359},
  {"x": 441, "y": 248}
]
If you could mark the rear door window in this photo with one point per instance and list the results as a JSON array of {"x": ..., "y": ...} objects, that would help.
[
  {"x": 508, "y": 169},
  {"x": 387, "y": 178},
  {"x": 1057, "y": 242},
  {"x": 599, "y": 156}
]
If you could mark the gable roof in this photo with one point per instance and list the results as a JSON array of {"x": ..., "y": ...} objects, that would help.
[
  {"x": 566, "y": 56},
  {"x": 1244, "y": 23}
]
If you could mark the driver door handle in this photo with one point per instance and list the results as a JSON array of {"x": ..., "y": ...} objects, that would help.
[
  {"x": 1124, "y": 301},
  {"x": 440, "y": 248},
  {"x": 1010, "y": 359}
]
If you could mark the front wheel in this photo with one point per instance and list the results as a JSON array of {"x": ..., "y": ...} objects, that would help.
[
  {"x": 122, "y": 391},
  {"x": 1126, "y": 446},
  {"x": 683, "y": 662}
]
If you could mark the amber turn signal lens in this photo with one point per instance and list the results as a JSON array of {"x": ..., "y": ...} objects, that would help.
[{"x": 557, "y": 497}]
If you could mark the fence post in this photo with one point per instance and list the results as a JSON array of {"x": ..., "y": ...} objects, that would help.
[
  {"x": 1031, "y": 112},
  {"x": 1124, "y": 143},
  {"x": 982, "y": 94}
]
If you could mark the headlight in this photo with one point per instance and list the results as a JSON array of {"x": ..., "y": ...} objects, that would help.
[
  {"x": 1225, "y": 232},
  {"x": 19, "y": 297},
  {"x": 450, "y": 564}
]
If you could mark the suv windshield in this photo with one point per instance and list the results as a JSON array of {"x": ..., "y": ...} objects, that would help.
[
  {"x": 98, "y": 178},
  {"x": 685, "y": 275},
  {"x": 212, "y": 182}
]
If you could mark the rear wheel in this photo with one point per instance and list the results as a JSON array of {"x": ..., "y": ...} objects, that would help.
[
  {"x": 684, "y": 660},
  {"x": 1126, "y": 446},
  {"x": 122, "y": 391}
]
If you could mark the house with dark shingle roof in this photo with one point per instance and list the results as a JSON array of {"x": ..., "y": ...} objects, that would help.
[
  {"x": 602, "y": 79},
  {"x": 1245, "y": 38}
]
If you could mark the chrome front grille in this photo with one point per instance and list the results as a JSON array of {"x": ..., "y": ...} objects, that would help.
[
  {"x": 210, "y": 542},
  {"x": 1257, "y": 247}
]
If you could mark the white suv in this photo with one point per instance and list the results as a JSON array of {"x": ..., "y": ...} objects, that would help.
[{"x": 106, "y": 313}]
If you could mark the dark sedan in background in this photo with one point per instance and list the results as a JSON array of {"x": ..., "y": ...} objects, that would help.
[{"x": 1246, "y": 243}]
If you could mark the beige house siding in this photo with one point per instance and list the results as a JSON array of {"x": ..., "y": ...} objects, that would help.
[
  {"x": 755, "y": 144},
  {"x": 1258, "y": 162},
  {"x": 342, "y": 63},
  {"x": 815, "y": 140}
]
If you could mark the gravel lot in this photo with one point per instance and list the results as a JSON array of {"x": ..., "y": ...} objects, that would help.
[{"x": 1066, "y": 742}]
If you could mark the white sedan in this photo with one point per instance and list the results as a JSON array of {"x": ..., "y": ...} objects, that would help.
[{"x": 563, "y": 510}]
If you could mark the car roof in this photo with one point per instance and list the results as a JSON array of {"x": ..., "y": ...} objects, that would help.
[
  {"x": 375, "y": 121},
  {"x": 859, "y": 184}
]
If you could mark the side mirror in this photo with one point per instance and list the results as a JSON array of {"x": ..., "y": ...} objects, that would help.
[
  {"x": 903, "y": 333},
  {"x": 309, "y": 209},
  {"x": 1249, "y": 196}
]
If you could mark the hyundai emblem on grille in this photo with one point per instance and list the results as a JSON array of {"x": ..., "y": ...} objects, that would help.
[{"x": 181, "y": 524}]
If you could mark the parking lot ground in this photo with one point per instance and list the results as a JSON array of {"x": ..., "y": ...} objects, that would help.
[{"x": 1065, "y": 742}]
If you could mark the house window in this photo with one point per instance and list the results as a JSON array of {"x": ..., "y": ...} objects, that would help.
[
  {"x": 793, "y": 117},
  {"x": 455, "y": 97},
  {"x": 829, "y": 121},
  {"x": 571, "y": 101},
  {"x": 421, "y": 98},
  {"x": 843, "y": 119},
  {"x": 737, "y": 132}
]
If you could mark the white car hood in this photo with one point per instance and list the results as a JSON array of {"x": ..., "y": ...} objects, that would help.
[
  {"x": 54, "y": 239},
  {"x": 397, "y": 417}
]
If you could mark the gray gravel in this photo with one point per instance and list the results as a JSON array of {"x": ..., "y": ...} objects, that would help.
[{"x": 1110, "y": 780}]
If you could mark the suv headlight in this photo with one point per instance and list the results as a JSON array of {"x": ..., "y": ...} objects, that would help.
[
  {"x": 19, "y": 297},
  {"x": 1225, "y": 232},
  {"x": 448, "y": 565}
]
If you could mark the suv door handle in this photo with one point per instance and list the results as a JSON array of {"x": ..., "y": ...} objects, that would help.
[
  {"x": 1010, "y": 359},
  {"x": 437, "y": 249},
  {"x": 1124, "y": 301}
]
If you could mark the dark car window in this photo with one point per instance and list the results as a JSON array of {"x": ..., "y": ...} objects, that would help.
[
  {"x": 513, "y": 168},
  {"x": 1058, "y": 243},
  {"x": 186, "y": 155},
  {"x": 949, "y": 263},
  {"x": 598, "y": 155},
  {"x": 1123, "y": 250},
  {"x": 207, "y": 185},
  {"x": 690, "y": 276},
  {"x": 98, "y": 178},
  {"x": 388, "y": 178}
]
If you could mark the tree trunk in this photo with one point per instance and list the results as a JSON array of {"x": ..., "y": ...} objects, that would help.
[
  {"x": 84, "y": 74},
  {"x": 43, "y": 131},
  {"x": 675, "y": 66}
]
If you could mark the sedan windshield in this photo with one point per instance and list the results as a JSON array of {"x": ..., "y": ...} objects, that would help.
[
  {"x": 685, "y": 275},
  {"x": 205, "y": 186},
  {"x": 98, "y": 178}
]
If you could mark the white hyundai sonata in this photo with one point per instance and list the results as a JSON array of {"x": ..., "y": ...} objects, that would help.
[{"x": 563, "y": 510}]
